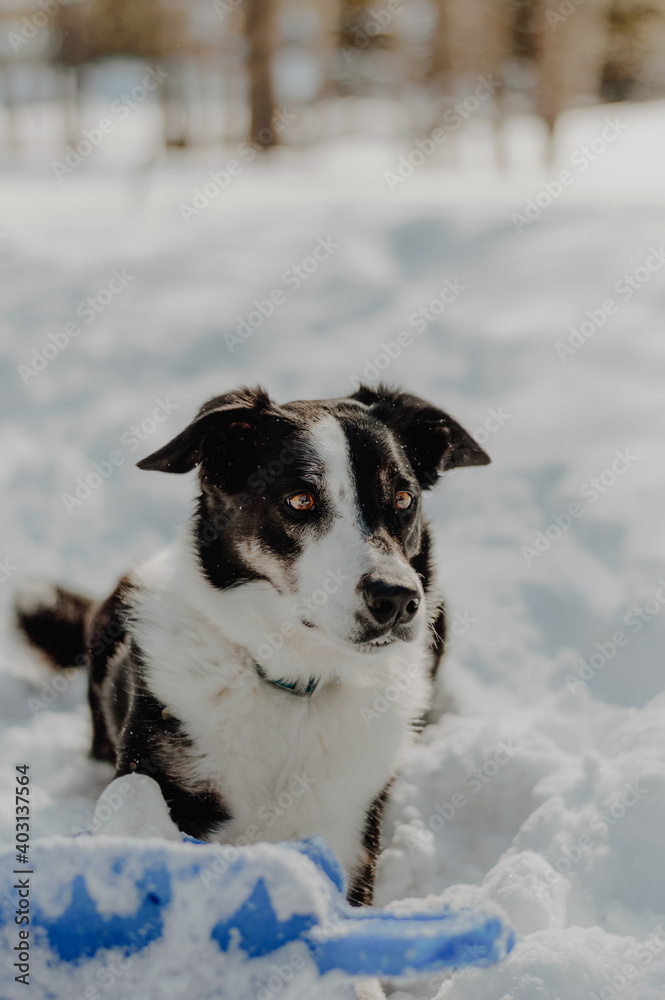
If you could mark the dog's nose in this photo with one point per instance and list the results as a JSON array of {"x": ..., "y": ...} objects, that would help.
[{"x": 390, "y": 603}]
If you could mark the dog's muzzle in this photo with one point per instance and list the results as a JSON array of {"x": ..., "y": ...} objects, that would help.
[{"x": 389, "y": 603}]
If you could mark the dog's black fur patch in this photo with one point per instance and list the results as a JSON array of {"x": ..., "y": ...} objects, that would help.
[
  {"x": 361, "y": 885},
  {"x": 58, "y": 629}
]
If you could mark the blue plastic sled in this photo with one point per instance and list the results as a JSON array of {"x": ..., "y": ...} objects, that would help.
[{"x": 157, "y": 920}]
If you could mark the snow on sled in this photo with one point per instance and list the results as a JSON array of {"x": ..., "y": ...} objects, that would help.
[{"x": 114, "y": 918}]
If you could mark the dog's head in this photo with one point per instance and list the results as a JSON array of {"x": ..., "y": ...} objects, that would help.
[{"x": 323, "y": 501}]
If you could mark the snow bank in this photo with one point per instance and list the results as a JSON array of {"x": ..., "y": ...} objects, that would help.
[{"x": 563, "y": 830}]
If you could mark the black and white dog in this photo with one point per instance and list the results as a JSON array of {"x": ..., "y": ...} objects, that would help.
[{"x": 262, "y": 678}]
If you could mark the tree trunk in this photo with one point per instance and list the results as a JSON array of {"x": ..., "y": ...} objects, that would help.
[
  {"x": 440, "y": 65},
  {"x": 260, "y": 31},
  {"x": 571, "y": 51}
]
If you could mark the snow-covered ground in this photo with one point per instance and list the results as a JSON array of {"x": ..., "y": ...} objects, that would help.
[{"x": 540, "y": 784}]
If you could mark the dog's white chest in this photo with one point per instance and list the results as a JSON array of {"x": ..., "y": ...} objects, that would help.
[
  {"x": 285, "y": 766},
  {"x": 299, "y": 766}
]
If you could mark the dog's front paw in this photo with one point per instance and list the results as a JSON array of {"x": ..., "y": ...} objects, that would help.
[
  {"x": 369, "y": 989},
  {"x": 133, "y": 806}
]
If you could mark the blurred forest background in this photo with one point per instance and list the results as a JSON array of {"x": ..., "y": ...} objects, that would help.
[{"x": 231, "y": 65}]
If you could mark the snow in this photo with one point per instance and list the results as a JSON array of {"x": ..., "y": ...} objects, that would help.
[{"x": 540, "y": 783}]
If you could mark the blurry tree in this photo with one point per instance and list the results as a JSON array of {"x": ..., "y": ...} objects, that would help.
[
  {"x": 326, "y": 43},
  {"x": 229, "y": 60},
  {"x": 473, "y": 38},
  {"x": 260, "y": 33},
  {"x": 440, "y": 68},
  {"x": 524, "y": 40},
  {"x": 572, "y": 39},
  {"x": 97, "y": 29},
  {"x": 632, "y": 27},
  {"x": 157, "y": 30},
  {"x": 361, "y": 27},
  {"x": 473, "y": 41},
  {"x": 365, "y": 31}
]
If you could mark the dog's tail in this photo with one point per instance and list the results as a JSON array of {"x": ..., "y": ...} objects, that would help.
[{"x": 53, "y": 621}]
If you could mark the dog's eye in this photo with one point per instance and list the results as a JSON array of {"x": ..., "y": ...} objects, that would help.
[
  {"x": 403, "y": 500},
  {"x": 301, "y": 501}
]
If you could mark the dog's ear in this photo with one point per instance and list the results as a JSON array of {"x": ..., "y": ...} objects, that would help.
[
  {"x": 433, "y": 441},
  {"x": 227, "y": 429}
]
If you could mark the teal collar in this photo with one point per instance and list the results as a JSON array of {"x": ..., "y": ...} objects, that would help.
[{"x": 293, "y": 687}]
